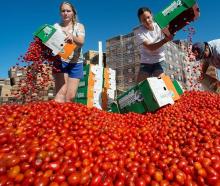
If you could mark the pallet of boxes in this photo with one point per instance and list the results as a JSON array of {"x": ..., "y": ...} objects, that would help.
[
  {"x": 17, "y": 75},
  {"x": 90, "y": 87},
  {"x": 5, "y": 91},
  {"x": 18, "y": 79},
  {"x": 122, "y": 56},
  {"x": 148, "y": 96},
  {"x": 45, "y": 92}
]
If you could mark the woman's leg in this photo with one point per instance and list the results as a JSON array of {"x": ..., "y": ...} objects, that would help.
[
  {"x": 144, "y": 72},
  {"x": 158, "y": 74},
  {"x": 60, "y": 87},
  {"x": 142, "y": 76},
  {"x": 72, "y": 86},
  {"x": 158, "y": 70}
]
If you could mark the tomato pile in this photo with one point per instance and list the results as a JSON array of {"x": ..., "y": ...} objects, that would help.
[
  {"x": 38, "y": 60},
  {"x": 47, "y": 143}
]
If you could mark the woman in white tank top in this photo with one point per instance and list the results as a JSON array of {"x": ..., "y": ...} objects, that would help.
[{"x": 150, "y": 39}]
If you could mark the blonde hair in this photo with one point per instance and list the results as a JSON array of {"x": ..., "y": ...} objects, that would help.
[{"x": 74, "y": 19}]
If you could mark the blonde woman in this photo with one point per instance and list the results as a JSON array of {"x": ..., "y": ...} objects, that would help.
[{"x": 70, "y": 70}]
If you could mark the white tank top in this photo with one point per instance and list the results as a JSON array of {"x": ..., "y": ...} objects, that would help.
[{"x": 77, "y": 55}]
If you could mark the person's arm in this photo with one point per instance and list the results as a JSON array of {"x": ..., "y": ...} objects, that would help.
[
  {"x": 205, "y": 66},
  {"x": 79, "y": 38},
  {"x": 155, "y": 46}
]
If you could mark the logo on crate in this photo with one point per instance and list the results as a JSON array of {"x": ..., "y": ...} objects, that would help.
[
  {"x": 172, "y": 7},
  {"x": 47, "y": 30},
  {"x": 80, "y": 95},
  {"x": 130, "y": 98},
  {"x": 82, "y": 84}
]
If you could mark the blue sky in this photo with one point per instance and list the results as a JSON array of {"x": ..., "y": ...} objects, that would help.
[{"x": 102, "y": 20}]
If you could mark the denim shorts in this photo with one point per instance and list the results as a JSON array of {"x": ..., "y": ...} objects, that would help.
[
  {"x": 74, "y": 70},
  {"x": 152, "y": 68}
]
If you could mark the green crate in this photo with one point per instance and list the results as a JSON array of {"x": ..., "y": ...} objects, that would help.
[
  {"x": 45, "y": 32},
  {"x": 86, "y": 69},
  {"x": 178, "y": 14},
  {"x": 81, "y": 100},
  {"x": 114, "y": 108},
  {"x": 131, "y": 101},
  {"x": 82, "y": 92},
  {"x": 83, "y": 83}
]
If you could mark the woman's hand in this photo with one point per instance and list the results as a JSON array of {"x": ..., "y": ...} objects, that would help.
[
  {"x": 169, "y": 38},
  {"x": 69, "y": 38}
]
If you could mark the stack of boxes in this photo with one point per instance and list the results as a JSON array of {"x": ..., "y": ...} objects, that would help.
[
  {"x": 191, "y": 67},
  {"x": 122, "y": 56},
  {"x": 90, "y": 87},
  {"x": 17, "y": 79},
  {"x": 46, "y": 91},
  {"x": 109, "y": 89},
  {"x": 5, "y": 90},
  {"x": 174, "y": 61},
  {"x": 16, "y": 74},
  {"x": 97, "y": 88}
]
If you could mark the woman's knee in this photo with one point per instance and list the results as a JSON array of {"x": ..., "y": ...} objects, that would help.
[
  {"x": 70, "y": 99},
  {"x": 60, "y": 98}
]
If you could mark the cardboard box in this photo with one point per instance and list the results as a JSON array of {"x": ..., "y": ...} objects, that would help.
[
  {"x": 55, "y": 40},
  {"x": 147, "y": 96},
  {"x": 177, "y": 15},
  {"x": 213, "y": 72},
  {"x": 209, "y": 84},
  {"x": 160, "y": 92}
]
